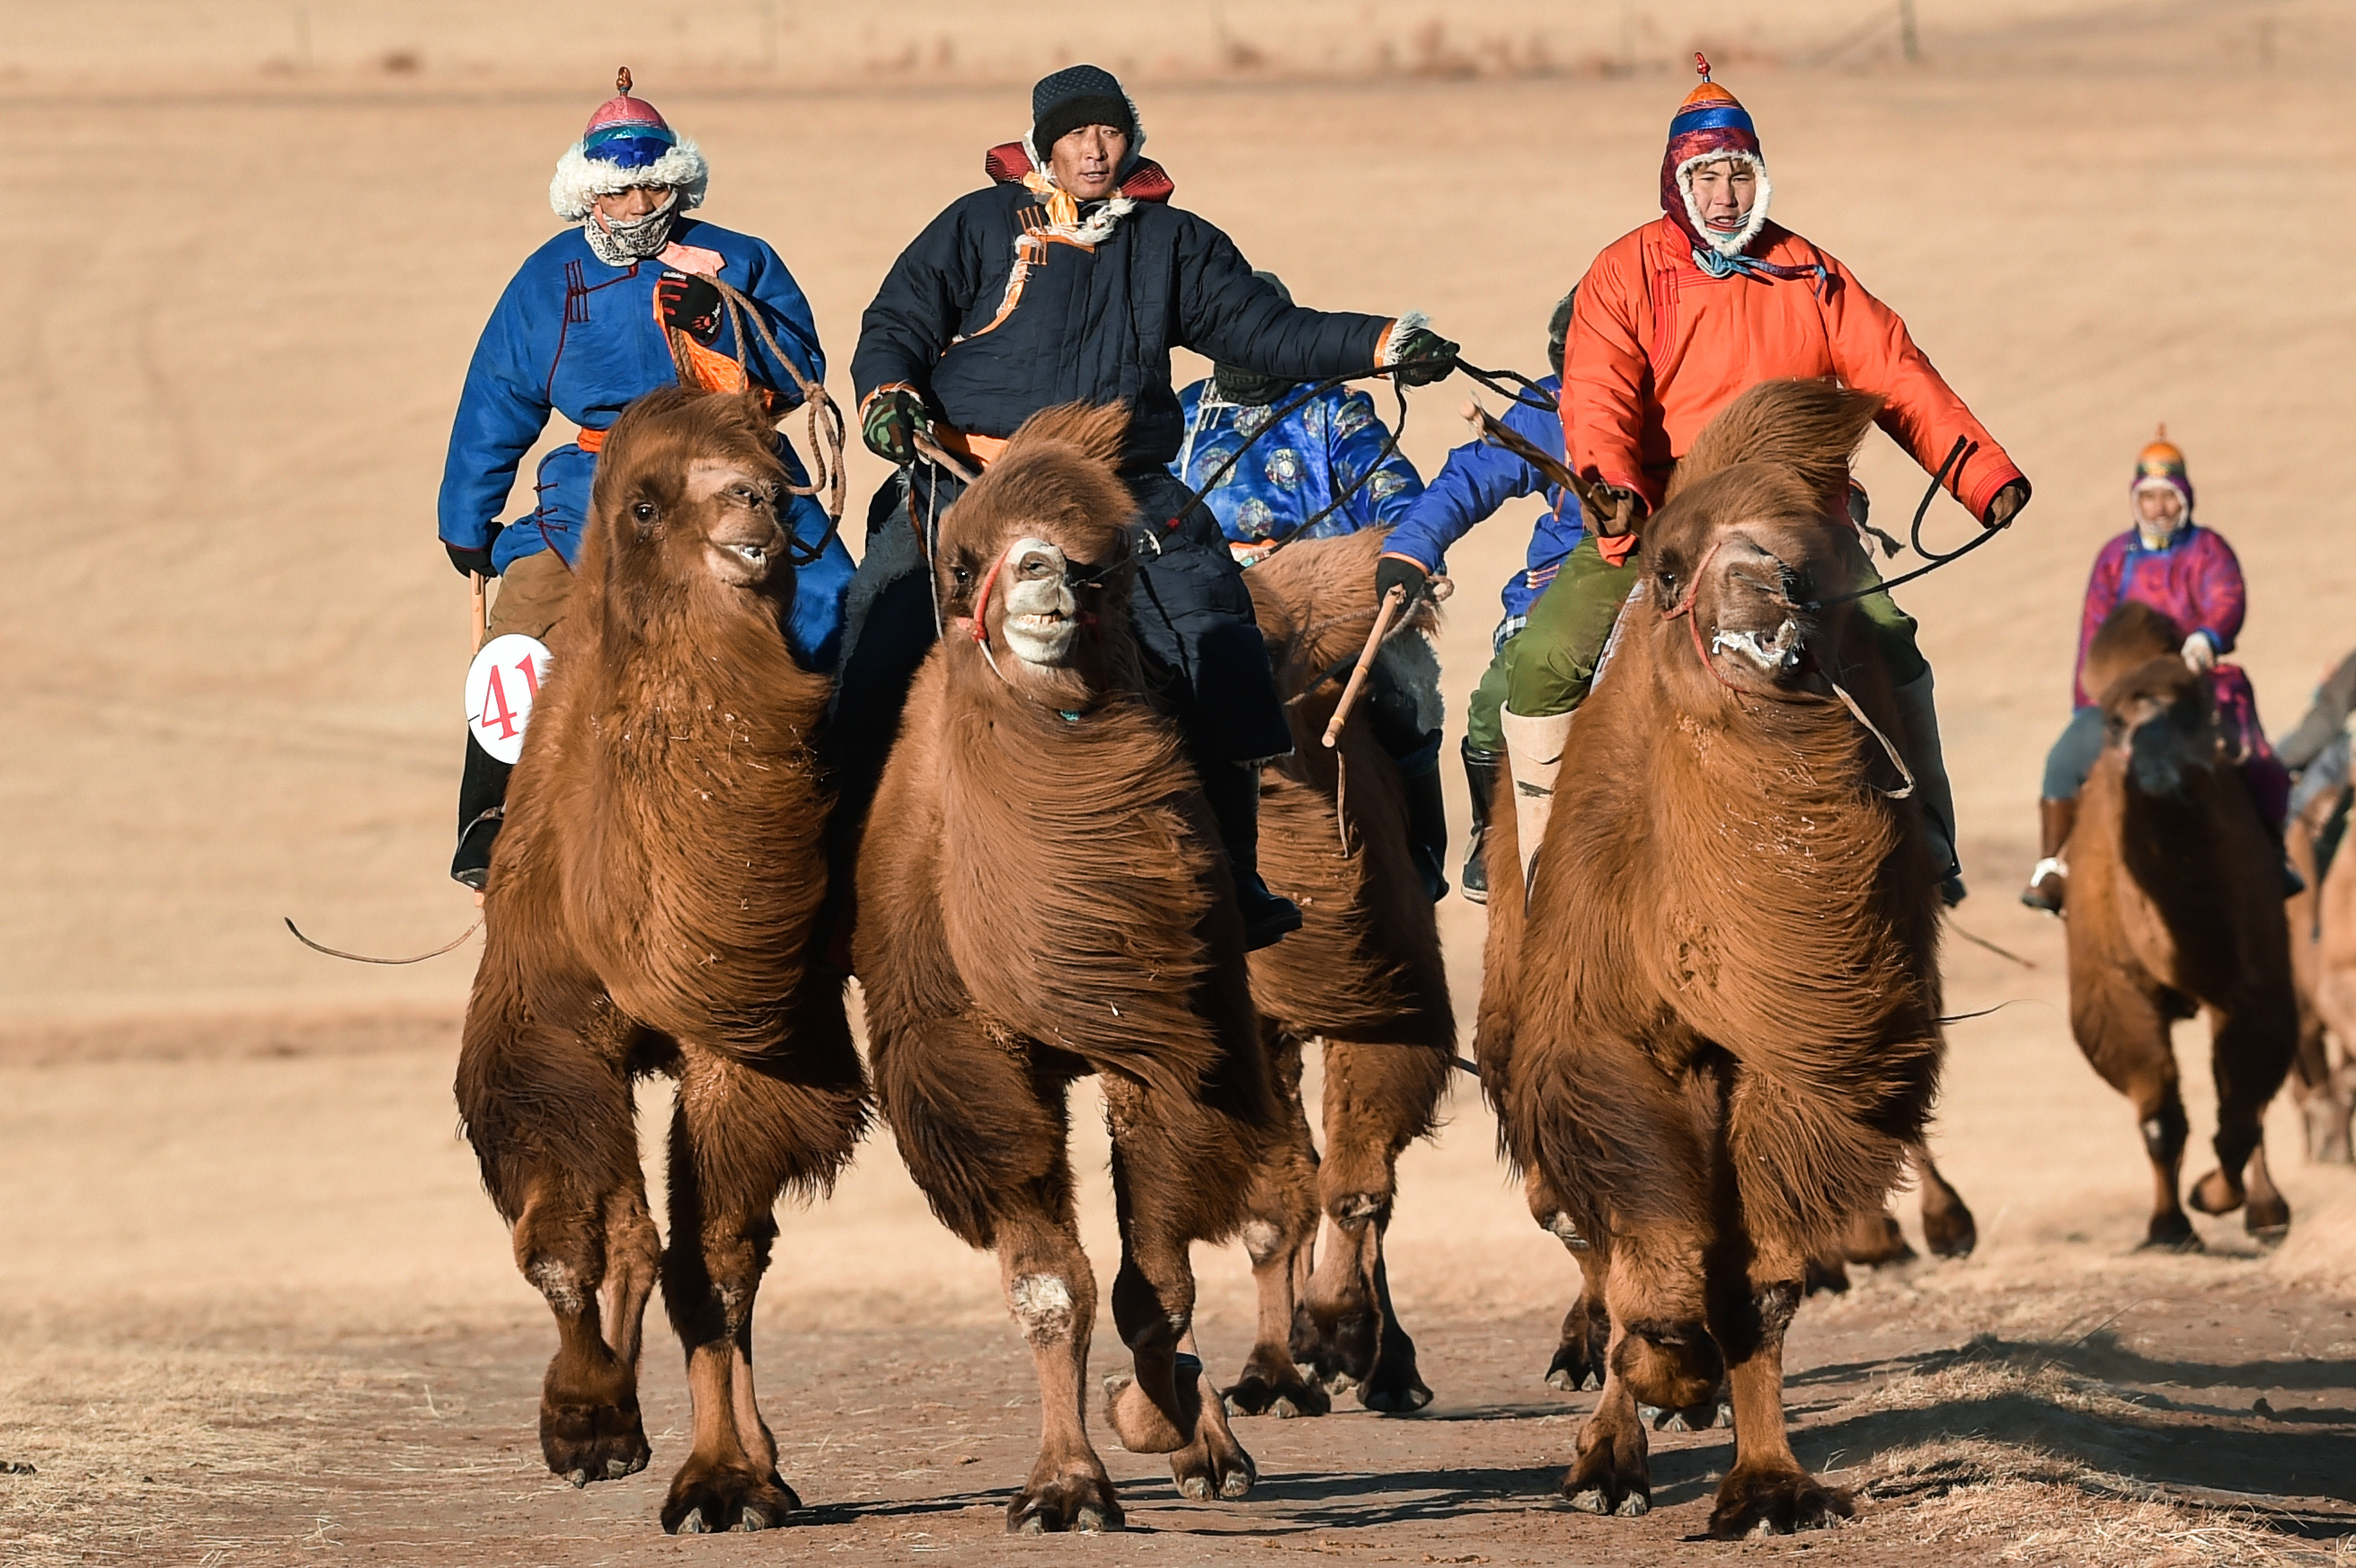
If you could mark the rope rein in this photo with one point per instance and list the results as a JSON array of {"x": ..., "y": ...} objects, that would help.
[
  {"x": 825, "y": 416},
  {"x": 1957, "y": 455}
]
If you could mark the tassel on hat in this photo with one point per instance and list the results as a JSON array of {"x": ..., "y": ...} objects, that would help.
[{"x": 627, "y": 142}]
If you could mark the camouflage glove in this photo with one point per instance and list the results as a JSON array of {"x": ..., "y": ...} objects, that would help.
[{"x": 895, "y": 418}]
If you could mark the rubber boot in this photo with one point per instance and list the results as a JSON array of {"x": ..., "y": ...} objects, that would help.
[
  {"x": 1427, "y": 815},
  {"x": 1534, "y": 746},
  {"x": 1481, "y": 778},
  {"x": 1918, "y": 738},
  {"x": 482, "y": 807},
  {"x": 2051, "y": 877},
  {"x": 1233, "y": 789}
]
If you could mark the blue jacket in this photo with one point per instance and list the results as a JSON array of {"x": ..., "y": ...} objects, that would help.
[
  {"x": 1083, "y": 322},
  {"x": 1475, "y": 482},
  {"x": 575, "y": 336},
  {"x": 1292, "y": 472}
]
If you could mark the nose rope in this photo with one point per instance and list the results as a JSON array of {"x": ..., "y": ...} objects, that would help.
[{"x": 1693, "y": 622}]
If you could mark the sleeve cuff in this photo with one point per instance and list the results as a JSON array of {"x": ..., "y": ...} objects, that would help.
[{"x": 1387, "y": 347}]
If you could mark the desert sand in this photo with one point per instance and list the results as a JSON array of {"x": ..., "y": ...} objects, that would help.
[{"x": 254, "y": 1307}]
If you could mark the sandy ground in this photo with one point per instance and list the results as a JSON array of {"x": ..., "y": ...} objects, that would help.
[{"x": 253, "y": 1306}]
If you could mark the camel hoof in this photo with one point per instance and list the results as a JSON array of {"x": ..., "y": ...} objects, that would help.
[
  {"x": 1950, "y": 1235},
  {"x": 2267, "y": 1222},
  {"x": 579, "y": 1479},
  {"x": 1609, "y": 1476},
  {"x": 2170, "y": 1233},
  {"x": 1595, "y": 1500},
  {"x": 1632, "y": 1507},
  {"x": 2216, "y": 1193},
  {"x": 2326, "y": 1119},
  {"x": 1284, "y": 1395},
  {"x": 1082, "y": 1504},
  {"x": 1395, "y": 1388},
  {"x": 1338, "y": 1350},
  {"x": 1753, "y": 1506},
  {"x": 711, "y": 1499},
  {"x": 584, "y": 1442}
]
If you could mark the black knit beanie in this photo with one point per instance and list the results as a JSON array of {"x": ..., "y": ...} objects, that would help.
[
  {"x": 1558, "y": 329},
  {"x": 1075, "y": 96}
]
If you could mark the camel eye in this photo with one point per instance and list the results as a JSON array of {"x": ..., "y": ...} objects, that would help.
[
  {"x": 645, "y": 511},
  {"x": 960, "y": 575}
]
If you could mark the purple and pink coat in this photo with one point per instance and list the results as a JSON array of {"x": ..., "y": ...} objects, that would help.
[{"x": 2193, "y": 579}]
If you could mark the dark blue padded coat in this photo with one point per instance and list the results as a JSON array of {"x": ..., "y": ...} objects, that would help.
[{"x": 1089, "y": 322}]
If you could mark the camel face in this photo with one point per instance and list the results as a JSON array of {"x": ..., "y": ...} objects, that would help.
[
  {"x": 1751, "y": 616},
  {"x": 1745, "y": 587},
  {"x": 2157, "y": 718},
  {"x": 1039, "y": 616}
]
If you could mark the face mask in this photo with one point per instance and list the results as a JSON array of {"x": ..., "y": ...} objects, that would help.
[
  {"x": 619, "y": 244},
  {"x": 1249, "y": 388}
]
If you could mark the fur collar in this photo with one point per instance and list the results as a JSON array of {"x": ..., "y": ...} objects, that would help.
[{"x": 1727, "y": 246}]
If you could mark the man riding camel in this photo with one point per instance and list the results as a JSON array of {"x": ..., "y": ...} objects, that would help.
[
  {"x": 1478, "y": 479},
  {"x": 2191, "y": 574},
  {"x": 620, "y": 302},
  {"x": 1672, "y": 322},
  {"x": 1070, "y": 278}
]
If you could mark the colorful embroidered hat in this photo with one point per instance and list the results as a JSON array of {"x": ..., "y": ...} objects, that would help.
[
  {"x": 1710, "y": 123},
  {"x": 627, "y": 142},
  {"x": 2162, "y": 462}
]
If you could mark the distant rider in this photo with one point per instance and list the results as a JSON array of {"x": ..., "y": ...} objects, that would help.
[
  {"x": 618, "y": 303},
  {"x": 1070, "y": 277}
]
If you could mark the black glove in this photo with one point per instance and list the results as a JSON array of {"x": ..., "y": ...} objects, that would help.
[
  {"x": 1424, "y": 356},
  {"x": 2007, "y": 505},
  {"x": 1395, "y": 571},
  {"x": 690, "y": 303},
  {"x": 470, "y": 560},
  {"x": 895, "y": 418}
]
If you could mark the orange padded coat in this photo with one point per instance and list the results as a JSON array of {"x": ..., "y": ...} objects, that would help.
[{"x": 1657, "y": 347}]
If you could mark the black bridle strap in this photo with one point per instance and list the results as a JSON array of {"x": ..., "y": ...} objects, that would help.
[{"x": 1957, "y": 454}]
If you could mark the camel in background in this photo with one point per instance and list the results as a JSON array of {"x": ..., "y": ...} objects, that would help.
[
  {"x": 2176, "y": 906},
  {"x": 650, "y": 908},
  {"x": 2323, "y": 964},
  {"x": 1715, "y": 1032},
  {"x": 1363, "y": 977},
  {"x": 1042, "y": 896}
]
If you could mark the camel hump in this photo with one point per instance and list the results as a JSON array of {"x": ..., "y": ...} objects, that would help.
[
  {"x": 1098, "y": 430},
  {"x": 1810, "y": 426},
  {"x": 2130, "y": 636}
]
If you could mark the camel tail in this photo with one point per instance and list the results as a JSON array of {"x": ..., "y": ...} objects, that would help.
[{"x": 1810, "y": 426}]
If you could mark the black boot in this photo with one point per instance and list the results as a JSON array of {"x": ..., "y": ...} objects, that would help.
[
  {"x": 1233, "y": 789},
  {"x": 482, "y": 806},
  {"x": 1480, "y": 775},
  {"x": 1426, "y": 814}
]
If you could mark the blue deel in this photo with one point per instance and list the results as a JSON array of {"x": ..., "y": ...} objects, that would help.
[
  {"x": 574, "y": 338},
  {"x": 1292, "y": 472},
  {"x": 1476, "y": 480}
]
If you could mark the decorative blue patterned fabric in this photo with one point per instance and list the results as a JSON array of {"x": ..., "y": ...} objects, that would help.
[{"x": 1294, "y": 471}]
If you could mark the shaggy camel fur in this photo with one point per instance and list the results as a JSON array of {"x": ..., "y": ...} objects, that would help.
[
  {"x": 1364, "y": 976},
  {"x": 651, "y": 909},
  {"x": 2176, "y": 906},
  {"x": 2323, "y": 964},
  {"x": 1041, "y": 897},
  {"x": 1715, "y": 1031}
]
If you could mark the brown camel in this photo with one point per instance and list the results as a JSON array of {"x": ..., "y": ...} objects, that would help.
[
  {"x": 2176, "y": 906},
  {"x": 1042, "y": 896},
  {"x": 2323, "y": 963},
  {"x": 1364, "y": 976},
  {"x": 651, "y": 909},
  {"x": 1715, "y": 1031}
]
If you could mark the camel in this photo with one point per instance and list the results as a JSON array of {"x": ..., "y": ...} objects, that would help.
[
  {"x": 2323, "y": 964},
  {"x": 2175, "y": 906},
  {"x": 1042, "y": 896},
  {"x": 1714, "y": 1032},
  {"x": 1364, "y": 976},
  {"x": 650, "y": 908}
]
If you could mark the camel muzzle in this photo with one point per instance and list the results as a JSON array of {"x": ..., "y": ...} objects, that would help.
[{"x": 1042, "y": 616}]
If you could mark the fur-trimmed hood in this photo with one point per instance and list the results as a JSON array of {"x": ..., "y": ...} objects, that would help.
[
  {"x": 1688, "y": 217},
  {"x": 580, "y": 179}
]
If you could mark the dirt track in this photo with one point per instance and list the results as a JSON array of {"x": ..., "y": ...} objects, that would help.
[{"x": 254, "y": 1307}]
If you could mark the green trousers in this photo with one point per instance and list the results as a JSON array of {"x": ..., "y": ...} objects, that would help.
[{"x": 1548, "y": 665}]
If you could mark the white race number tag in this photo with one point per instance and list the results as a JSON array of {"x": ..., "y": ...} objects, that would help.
[{"x": 502, "y": 685}]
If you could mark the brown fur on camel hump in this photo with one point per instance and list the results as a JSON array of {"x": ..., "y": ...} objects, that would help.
[
  {"x": 2130, "y": 636},
  {"x": 650, "y": 908}
]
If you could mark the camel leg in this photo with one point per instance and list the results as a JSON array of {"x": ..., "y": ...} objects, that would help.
[
  {"x": 1609, "y": 1473},
  {"x": 552, "y": 1122},
  {"x": 1052, "y": 1292},
  {"x": 1766, "y": 1492},
  {"x": 1947, "y": 1223},
  {"x": 740, "y": 1135},
  {"x": 1167, "y": 1405},
  {"x": 1278, "y": 1236},
  {"x": 1379, "y": 1099},
  {"x": 2250, "y": 1053},
  {"x": 1874, "y": 1240},
  {"x": 1580, "y": 1349},
  {"x": 2124, "y": 1033}
]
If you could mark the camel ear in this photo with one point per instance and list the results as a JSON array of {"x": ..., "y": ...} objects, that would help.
[
  {"x": 1811, "y": 426},
  {"x": 1098, "y": 430}
]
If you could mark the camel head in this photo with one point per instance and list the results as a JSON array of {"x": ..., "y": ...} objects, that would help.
[
  {"x": 2157, "y": 713},
  {"x": 688, "y": 505},
  {"x": 1754, "y": 534},
  {"x": 1033, "y": 566}
]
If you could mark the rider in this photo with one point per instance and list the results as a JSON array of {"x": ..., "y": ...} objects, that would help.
[
  {"x": 1478, "y": 479},
  {"x": 2318, "y": 752},
  {"x": 2179, "y": 568},
  {"x": 1671, "y": 323},
  {"x": 618, "y": 303},
  {"x": 1274, "y": 464},
  {"x": 1070, "y": 277}
]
